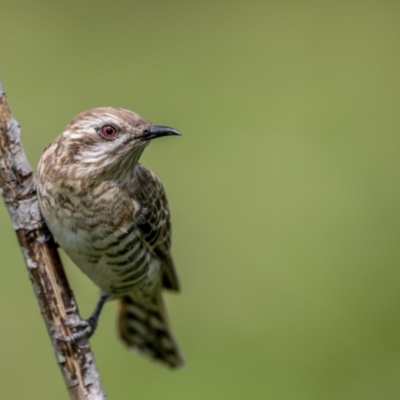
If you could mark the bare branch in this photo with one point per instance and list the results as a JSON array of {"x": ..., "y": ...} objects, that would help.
[{"x": 50, "y": 285}]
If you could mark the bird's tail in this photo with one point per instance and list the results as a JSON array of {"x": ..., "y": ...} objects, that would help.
[{"x": 143, "y": 326}]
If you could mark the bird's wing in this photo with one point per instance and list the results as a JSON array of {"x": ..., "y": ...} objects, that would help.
[{"x": 154, "y": 222}]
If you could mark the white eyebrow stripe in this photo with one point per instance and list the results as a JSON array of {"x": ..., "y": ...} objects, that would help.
[
  {"x": 107, "y": 118},
  {"x": 90, "y": 123}
]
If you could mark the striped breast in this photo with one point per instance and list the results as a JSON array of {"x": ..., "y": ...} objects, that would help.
[
  {"x": 102, "y": 238},
  {"x": 117, "y": 261}
]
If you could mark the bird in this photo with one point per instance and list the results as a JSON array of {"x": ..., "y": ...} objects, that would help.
[{"x": 110, "y": 215}]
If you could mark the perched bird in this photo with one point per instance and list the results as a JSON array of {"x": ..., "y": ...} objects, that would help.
[{"x": 110, "y": 215}]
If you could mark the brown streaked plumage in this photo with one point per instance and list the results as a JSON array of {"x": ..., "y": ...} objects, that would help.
[{"x": 110, "y": 215}]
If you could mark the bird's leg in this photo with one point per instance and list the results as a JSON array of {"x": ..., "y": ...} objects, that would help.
[
  {"x": 94, "y": 318},
  {"x": 87, "y": 326}
]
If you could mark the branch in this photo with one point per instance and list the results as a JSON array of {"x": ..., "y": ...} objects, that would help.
[{"x": 50, "y": 285}]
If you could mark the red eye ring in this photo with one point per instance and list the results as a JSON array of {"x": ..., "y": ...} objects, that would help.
[{"x": 108, "y": 131}]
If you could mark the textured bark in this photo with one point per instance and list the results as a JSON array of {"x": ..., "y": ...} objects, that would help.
[{"x": 50, "y": 285}]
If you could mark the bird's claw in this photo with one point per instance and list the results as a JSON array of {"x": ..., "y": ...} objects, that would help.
[{"x": 84, "y": 329}]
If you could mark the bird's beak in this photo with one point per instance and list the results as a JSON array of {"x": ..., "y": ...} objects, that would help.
[{"x": 156, "y": 131}]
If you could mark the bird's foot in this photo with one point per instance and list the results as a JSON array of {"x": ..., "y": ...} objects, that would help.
[{"x": 86, "y": 327}]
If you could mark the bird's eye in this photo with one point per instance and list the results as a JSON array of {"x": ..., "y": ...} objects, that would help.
[{"x": 108, "y": 131}]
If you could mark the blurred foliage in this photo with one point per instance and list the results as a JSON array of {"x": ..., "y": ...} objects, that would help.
[{"x": 284, "y": 189}]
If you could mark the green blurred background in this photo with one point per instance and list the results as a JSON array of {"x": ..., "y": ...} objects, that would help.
[{"x": 284, "y": 189}]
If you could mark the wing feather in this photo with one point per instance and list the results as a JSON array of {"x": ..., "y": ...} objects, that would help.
[{"x": 154, "y": 222}]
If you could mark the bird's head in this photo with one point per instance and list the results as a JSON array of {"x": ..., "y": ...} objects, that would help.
[{"x": 107, "y": 140}]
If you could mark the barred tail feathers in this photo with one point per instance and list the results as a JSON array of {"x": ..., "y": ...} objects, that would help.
[{"x": 143, "y": 326}]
